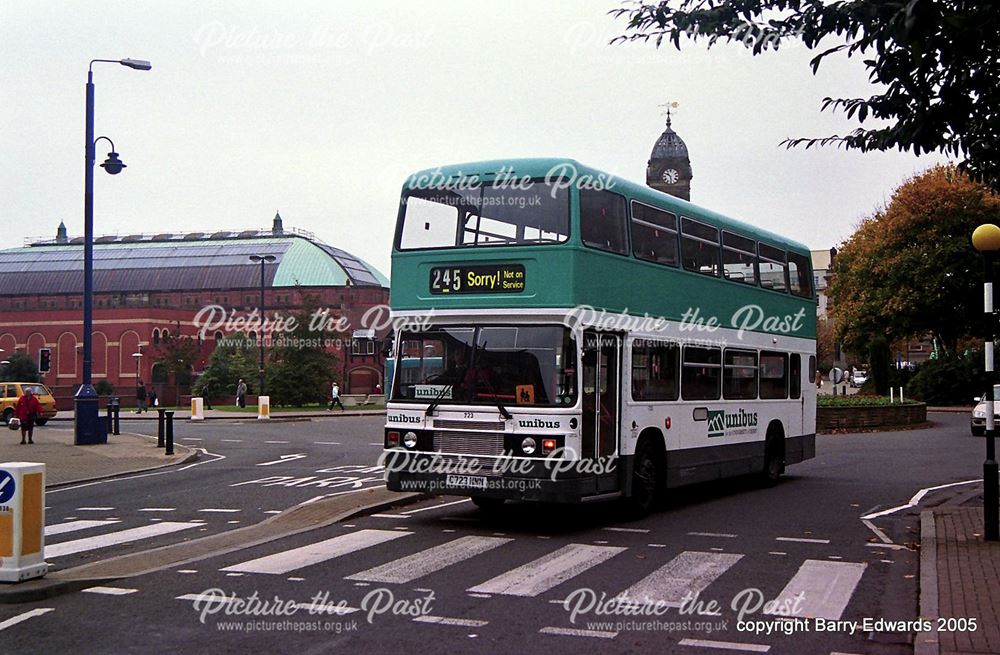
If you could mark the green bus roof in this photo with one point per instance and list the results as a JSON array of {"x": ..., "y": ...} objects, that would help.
[{"x": 538, "y": 168}]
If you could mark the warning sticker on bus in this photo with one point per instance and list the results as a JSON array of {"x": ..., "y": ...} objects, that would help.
[{"x": 496, "y": 278}]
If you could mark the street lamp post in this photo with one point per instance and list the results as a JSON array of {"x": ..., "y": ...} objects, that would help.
[
  {"x": 263, "y": 259},
  {"x": 986, "y": 239},
  {"x": 88, "y": 427},
  {"x": 138, "y": 361}
]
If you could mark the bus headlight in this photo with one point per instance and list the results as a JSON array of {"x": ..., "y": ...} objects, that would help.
[
  {"x": 410, "y": 439},
  {"x": 528, "y": 446}
]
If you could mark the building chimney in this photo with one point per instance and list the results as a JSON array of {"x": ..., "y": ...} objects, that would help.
[
  {"x": 61, "y": 236},
  {"x": 277, "y": 229}
]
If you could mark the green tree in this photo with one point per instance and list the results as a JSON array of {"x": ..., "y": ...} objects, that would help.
[
  {"x": 177, "y": 354},
  {"x": 933, "y": 63},
  {"x": 230, "y": 361},
  {"x": 880, "y": 360},
  {"x": 20, "y": 368},
  {"x": 910, "y": 270},
  {"x": 104, "y": 388},
  {"x": 300, "y": 370}
]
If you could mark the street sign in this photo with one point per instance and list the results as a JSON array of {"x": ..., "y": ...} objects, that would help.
[{"x": 22, "y": 521}]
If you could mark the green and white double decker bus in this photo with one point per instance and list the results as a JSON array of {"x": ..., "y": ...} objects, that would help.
[{"x": 564, "y": 335}]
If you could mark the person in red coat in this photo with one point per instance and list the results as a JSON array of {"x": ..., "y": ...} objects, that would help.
[{"x": 27, "y": 410}]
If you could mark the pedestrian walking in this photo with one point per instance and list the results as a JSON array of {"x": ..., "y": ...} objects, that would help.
[
  {"x": 206, "y": 395},
  {"x": 27, "y": 410},
  {"x": 241, "y": 393},
  {"x": 140, "y": 398},
  {"x": 154, "y": 401},
  {"x": 335, "y": 397}
]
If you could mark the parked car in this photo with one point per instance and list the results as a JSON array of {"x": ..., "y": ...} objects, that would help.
[
  {"x": 11, "y": 391},
  {"x": 978, "y": 425},
  {"x": 859, "y": 378}
]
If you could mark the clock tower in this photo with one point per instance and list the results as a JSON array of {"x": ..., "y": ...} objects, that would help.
[{"x": 669, "y": 169}]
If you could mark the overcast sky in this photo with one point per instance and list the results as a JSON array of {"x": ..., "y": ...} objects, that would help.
[{"x": 321, "y": 109}]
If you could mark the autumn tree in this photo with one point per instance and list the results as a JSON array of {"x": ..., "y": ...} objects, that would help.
[
  {"x": 910, "y": 269},
  {"x": 300, "y": 370},
  {"x": 932, "y": 63},
  {"x": 177, "y": 354}
]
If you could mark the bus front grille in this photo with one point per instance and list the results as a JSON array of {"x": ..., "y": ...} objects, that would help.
[
  {"x": 469, "y": 443},
  {"x": 468, "y": 425}
]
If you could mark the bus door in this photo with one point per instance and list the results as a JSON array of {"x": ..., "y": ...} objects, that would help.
[{"x": 601, "y": 399}]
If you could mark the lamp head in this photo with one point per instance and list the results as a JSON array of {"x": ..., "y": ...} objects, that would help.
[
  {"x": 137, "y": 64},
  {"x": 986, "y": 238},
  {"x": 112, "y": 164}
]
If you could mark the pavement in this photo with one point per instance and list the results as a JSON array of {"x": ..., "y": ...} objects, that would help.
[
  {"x": 959, "y": 579},
  {"x": 66, "y": 463}
]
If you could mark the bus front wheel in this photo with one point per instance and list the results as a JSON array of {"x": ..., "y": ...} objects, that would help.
[{"x": 487, "y": 504}]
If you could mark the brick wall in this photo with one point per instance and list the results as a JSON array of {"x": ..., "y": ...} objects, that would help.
[{"x": 849, "y": 418}]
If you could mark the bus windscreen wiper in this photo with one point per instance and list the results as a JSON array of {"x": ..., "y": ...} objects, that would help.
[{"x": 437, "y": 399}]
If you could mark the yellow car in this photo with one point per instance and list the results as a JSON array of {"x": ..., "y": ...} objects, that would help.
[{"x": 11, "y": 391}]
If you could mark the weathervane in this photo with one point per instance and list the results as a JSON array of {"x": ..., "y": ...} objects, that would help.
[{"x": 673, "y": 104}]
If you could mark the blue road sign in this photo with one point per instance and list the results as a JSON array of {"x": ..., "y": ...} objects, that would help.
[{"x": 6, "y": 486}]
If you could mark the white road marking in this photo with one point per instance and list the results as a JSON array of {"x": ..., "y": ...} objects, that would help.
[
  {"x": 721, "y": 535},
  {"x": 882, "y": 536},
  {"x": 190, "y": 439},
  {"x": 889, "y": 546},
  {"x": 725, "y": 645},
  {"x": 231, "y": 440},
  {"x": 657, "y": 545},
  {"x": 219, "y": 510},
  {"x": 94, "y": 509},
  {"x": 115, "y": 538},
  {"x": 376, "y": 443},
  {"x": 637, "y": 530},
  {"x": 328, "y": 609},
  {"x": 803, "y": 540},
  {"x": 283, "y": 458},
  {"x": 327, "y": 443},
  {"x": 277, "y": 442},
  {"x": 73, "y": 526},
  {"x": 322, "y": 551},
  {"x": 576, "y": 632},
  {"x": 917, "y": 497},
  {"x": 187, "y": 571},
  {"x": 428, "y": 561},
  {"x": 548, "y": 571},
  {"x": 110, "y": 591},
  {"x": 442, "y": 620},
  {"x": 158, "y": 509},
  {"x": 389, "y": 516},
  {"x": 426, "y": 509},
  {"x": 688, "y": 573},
  {"x": 824, "y": 587},
  {"x": 24, "y": 617},
  {"x": 776, "y": 552},
  {"x": 481, "y": 595},
  {"x": 273, "y": 511}
]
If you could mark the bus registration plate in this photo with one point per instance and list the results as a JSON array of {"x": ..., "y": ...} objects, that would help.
[
  {"x": 465, "y": 482},
  {"x": 496, "y": 278}
]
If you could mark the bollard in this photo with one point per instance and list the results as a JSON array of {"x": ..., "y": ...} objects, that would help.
[
  {"x": 110, "y": 420},
  {"x": 117, "y": 419},
  {"x": 170, "y": 433},
  {"x": 22, "y": 521},
  {"x": 159, "y": 429},
  {"x": 892, "y": 395}
]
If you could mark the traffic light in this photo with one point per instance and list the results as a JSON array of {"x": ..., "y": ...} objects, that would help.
[{"x": 44, "y": 360}]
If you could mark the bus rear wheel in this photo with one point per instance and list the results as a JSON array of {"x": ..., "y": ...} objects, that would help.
[
  {"x": 646, "y": 481},
  {"x": 487, "y": 504},
  {"x": 774, "y": 460}
]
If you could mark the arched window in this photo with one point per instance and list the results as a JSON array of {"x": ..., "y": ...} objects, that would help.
[{"x": 156, "y": 337}]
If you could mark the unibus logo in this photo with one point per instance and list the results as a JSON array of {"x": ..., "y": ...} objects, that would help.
[
  {"x": 539, "y": 423},
  {"x": 719, "y": 421},
  {"x": 402, "y": 418}
]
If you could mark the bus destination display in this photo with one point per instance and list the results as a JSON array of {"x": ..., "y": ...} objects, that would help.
[{"x": 497, "y": 278}]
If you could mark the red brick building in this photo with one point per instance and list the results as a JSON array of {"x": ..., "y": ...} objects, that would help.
[{"x": 147, "y": 286}]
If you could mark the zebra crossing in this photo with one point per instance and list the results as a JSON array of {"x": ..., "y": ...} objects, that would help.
[{"x": 823, "y": 588}]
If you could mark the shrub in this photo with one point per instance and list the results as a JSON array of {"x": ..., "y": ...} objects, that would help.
[
  {"x": 949, "y": 379},
  {"x": 104, "y": 388}
]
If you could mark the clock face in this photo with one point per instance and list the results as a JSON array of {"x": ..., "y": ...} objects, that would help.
[{"x": 669, "y": 176}]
